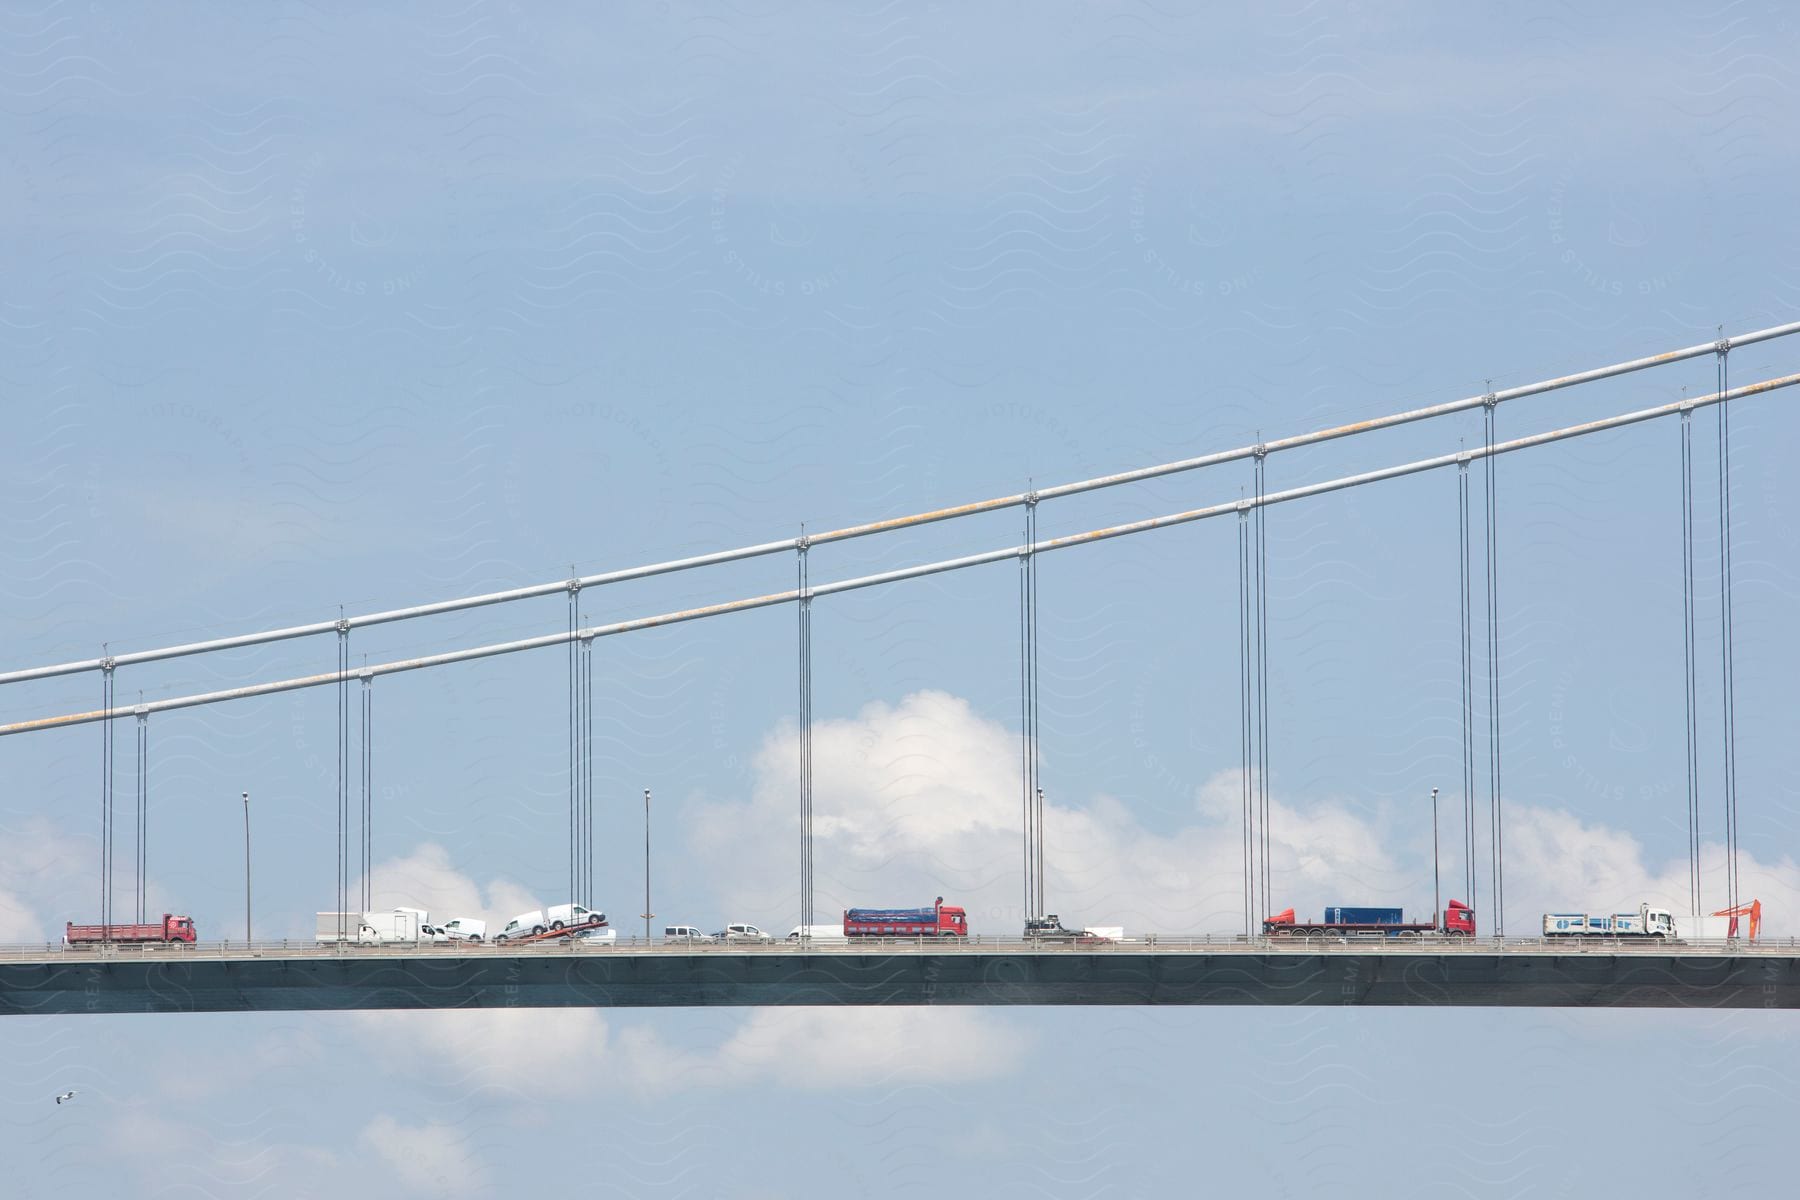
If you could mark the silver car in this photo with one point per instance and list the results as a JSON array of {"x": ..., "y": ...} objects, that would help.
[{"x": 742, "y": 933}]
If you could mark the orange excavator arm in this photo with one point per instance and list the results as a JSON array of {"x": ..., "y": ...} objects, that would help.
[{"x": 1753, "y": 910}]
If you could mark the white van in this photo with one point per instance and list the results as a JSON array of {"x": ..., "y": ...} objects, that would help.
[
  {"x": 523, "y": 925},
  {"x": 563, "y": 915},
  {"x": 465, "y": 929},
  {"x": 685, "y": 933},
  {"x": 817, "y": 933}
]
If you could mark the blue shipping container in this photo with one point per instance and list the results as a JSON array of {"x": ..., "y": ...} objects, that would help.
[{"x": 1362, "y": 916}]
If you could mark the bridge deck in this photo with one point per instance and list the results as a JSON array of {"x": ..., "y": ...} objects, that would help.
[{"x": 1246, "y": 972}]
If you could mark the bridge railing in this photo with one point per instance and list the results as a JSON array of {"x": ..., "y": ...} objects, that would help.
[{"x": 1171, "y": 944}]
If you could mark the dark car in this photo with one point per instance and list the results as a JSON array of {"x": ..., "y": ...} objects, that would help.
[{"x": 1050, "y": 929}]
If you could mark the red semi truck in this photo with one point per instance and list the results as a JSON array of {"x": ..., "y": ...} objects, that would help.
[
  {"x": 1458, "y": 921},
  {"x": 940, "y": 920},
  {"x": 172, "y": 929}
]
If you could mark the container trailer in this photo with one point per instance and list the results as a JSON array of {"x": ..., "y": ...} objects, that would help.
[{"x": 1346, "y": 920}]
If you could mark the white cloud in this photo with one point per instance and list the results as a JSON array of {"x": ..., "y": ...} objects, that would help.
[
  {"x": 868, "y": 1047},
  {"x": 540, "y": 1053},
  {"x": 532, "y": 1051},
  {"x": 427, "y": 879},
  {"x": 921, "y": 798},
  {"x": 430, "y": 1159},
  {"x": 1555, "y": 862},
  {"x": 34, "y": 859}
]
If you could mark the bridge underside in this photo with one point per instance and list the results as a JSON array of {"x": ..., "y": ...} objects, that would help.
[{"x": 191, "y": 983}]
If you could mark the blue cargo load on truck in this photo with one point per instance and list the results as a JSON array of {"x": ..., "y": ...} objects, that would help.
[
  {"x": 1363, "y": 916},
  {"x": 892, "y": 916}
]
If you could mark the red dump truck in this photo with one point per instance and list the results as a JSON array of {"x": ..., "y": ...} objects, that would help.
[{"x": 172, "y": 929}]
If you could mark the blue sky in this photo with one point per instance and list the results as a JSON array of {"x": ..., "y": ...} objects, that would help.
[{"x": 306, "y": 308}]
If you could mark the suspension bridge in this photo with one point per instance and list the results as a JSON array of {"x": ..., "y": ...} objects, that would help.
[{"x": 1245, "y": 967}]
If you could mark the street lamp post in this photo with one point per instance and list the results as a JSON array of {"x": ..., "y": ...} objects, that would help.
[
  {"x": 1436, "y": 902},
  {"x": 246, "y": 868},
  {"x": 647, "y": 913}
]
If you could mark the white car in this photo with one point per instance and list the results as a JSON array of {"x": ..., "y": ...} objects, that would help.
[
  {"x": 606, "y": 935},
  {"x": 742, "y": 933},
  {"x": 817, "y": 933}
]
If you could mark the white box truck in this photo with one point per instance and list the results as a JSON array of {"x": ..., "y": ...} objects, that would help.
[
  {"x": 344, "y": 928},
  {"x": 1695, "y": 927},
  {"x": 400, "y": 925}
]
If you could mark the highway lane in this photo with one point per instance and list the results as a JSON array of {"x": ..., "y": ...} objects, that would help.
[
  {"x": 1225, "y": 971},
  {"x": 1155, "y": 945}
]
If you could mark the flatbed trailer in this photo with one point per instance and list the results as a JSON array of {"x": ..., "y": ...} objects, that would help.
[{"x": 551, "y": 935}]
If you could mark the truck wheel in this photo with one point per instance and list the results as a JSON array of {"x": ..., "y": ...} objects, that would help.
[
  {"x": 499, "y": 938},
  {"x": 540, "y": 928},
  {"x": 554, "y": 925}
]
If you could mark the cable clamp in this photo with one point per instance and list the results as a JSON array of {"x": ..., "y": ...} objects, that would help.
[
  {"x": 367, "y": 675},
  {"x": 1491, "y": 400},
  {"x": 1464, "y": 458},
  {"x": 343, "y": 625},
  {"x": 574, "y": 587},
  {"x": 107, "y": 663},
  {"x": 1260, "y": 450},
  {"x": 143, "y": 713},
  {"x": 1722, "y": 346},
  {"x": 802, "y": 543},
  {"x": 1031, "y": 498},
  {"x": 1244, "y": 507},
  {"x": 1686, "y": 407}
]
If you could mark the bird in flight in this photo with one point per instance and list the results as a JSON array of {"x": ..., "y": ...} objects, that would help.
[{"x": 65, "y": 1096}]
